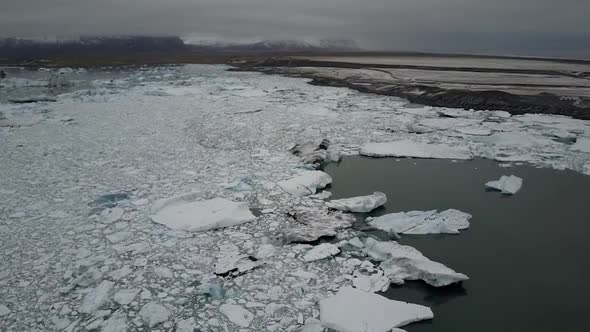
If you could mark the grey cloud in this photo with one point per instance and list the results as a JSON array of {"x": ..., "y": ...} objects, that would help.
[{"x": 500, "y": 26}]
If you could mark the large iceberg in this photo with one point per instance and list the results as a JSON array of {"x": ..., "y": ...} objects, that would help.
[
  {"x": 422, "y": 222},
  {"x": 186, "y": 213},
  {"x": 352, "y": 310},
  {"x": 306, "y": 183},
  {"x": 402, "y": 263},
  {"x": 508, "y": 185},
  {"x": 359, "y": 204},
  {"x": 408, "y": 148}
]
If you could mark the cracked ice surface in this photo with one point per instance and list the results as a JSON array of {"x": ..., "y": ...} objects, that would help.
[{"x": 79, "y": 176}]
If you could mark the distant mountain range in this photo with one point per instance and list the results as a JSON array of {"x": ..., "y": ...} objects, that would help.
[{"x": 122, "y": 45}]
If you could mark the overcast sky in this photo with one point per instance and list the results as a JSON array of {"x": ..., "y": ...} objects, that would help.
[{"x": 494, "y": 26}]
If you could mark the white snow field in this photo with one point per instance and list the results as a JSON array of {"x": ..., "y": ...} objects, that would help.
[{"x": 80, "y": 178}]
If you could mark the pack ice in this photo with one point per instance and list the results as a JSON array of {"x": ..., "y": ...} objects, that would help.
[
  {"x": 408, "y": 148},
  {"x": 185, "y": 213},
  {"x": 450, "y": 221},
  {"x": 508, "y": 185},
  {"x": 352, "y": 310}
]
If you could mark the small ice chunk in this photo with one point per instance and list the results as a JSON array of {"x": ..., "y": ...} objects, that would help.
[
  {"x": 97, "y": 297},
  {"x": 582, "y": 144},
  {"x": 321, "y": 251},
  {"x": 186, "y": 325},
  {"x": 125, "y": 296},
  {"x": 4, "y": 310},
  {"x": 117, "y": 323},
  {"x": 306, "y": 183},
  {"x": 118, "y": 237},
  {"x": 508, "y": 185},
  {"x": 154, "y": 313},
  {"x": 408, "y": 148},
  {"x": 352, "y": 310},
  {"x": 164, "y": 272},
  {"x": 312, "y": 153},
  {"x": 312, "y": 326},
  {"x": 265, "y": 251},
  {"x": 359, "y": 204},
  {"x": 185, "y": 213},
  {"x": 237, "y": 315},
  {"x": 230, "y": 260},
  {"x": 422, "y": 222},
  {"x": 112, "y": 215},
  {"x": 372, "y": 283}
]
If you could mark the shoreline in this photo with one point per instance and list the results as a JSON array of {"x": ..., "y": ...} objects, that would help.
[{"x": 431, "y": 95}]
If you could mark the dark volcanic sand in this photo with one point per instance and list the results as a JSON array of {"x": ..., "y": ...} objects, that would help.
[{"x": 527, "y": 255}]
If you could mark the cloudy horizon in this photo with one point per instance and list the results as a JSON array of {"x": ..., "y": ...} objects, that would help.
[{"x": 538, "y": 27}]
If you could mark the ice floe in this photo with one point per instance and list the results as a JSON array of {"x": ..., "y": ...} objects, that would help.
[
  {"x": 306, "y": 183},
  {"x": 422, "y": 222},
  {"x": 508, "y": 185},
  {"x": 154, "y": 313},
  {"x": 97, "y": 297},
  {"x": 407, "y": 148},
  {"x": 237, "y": 314},
  {"x": 316, "y": 222},
  {"x": 321, "y": 251},
  {"x": 402, "y": 263},
  {"x": 315, "y": 154},
  {"x": 230, "y": 260},
  {"x": 186, "y": 213},
  {"x": 352, "y": 310},
  {"x": 359, "y": 204}
]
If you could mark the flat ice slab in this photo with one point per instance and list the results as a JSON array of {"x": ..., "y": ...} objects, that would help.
[
  {"x": 306, "y": 183},
  {"x": 352, "y": 310},
  {"x": 422, "y": 222},
  {"x": 360, "y": 203},
  {"x": 408, "y": 148},
  {"x": 187, "y": 214},
  {"x": 508, "y": 185}
]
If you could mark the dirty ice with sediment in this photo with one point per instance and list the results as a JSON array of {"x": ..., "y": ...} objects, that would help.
[{"x": 99, "y": 186}]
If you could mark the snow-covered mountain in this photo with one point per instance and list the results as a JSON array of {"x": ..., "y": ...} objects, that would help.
[{"x": 273, "y": 45}]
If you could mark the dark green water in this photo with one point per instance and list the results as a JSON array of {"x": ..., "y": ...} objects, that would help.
[{"x": 528, "y": 256}]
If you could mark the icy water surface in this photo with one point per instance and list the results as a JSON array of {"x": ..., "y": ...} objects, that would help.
[{"x": 526, "y": 255}]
